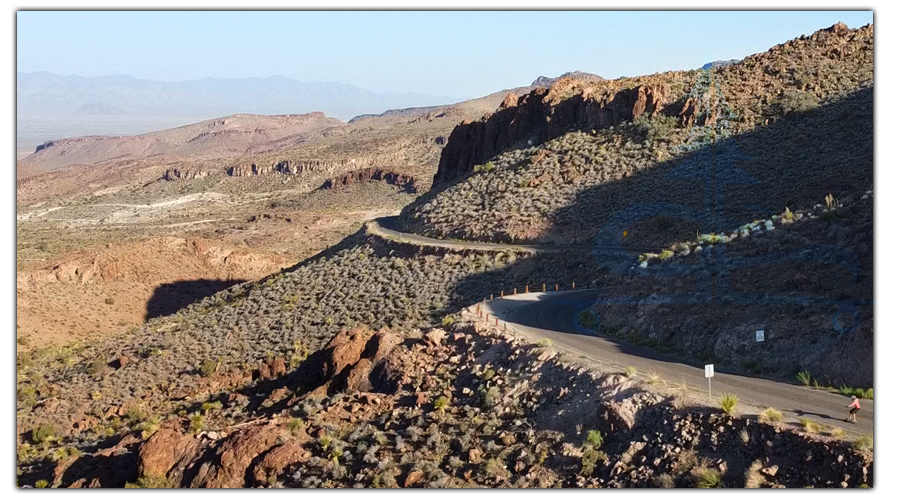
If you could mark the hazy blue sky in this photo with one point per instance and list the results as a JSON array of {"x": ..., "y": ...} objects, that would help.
[{"x": 459, "y": 54}]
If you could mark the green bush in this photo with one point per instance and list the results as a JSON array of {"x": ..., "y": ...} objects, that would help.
[
  {"x": 706, "y": 477},
  {"x": 208, "y": 368},
  {"x": 587, "y": 319},
  {"x": 803, "y": 377},
  {"x": 728, "y": 403},
  {"x": 44, "y": 433},
  {"x": 864, "y": 443},
  {"x": 794, "y": 101},
  {"x": 656, "y": 127},
  {"x": 447, "y": 321},
  {"x": 771, "y": 415}
]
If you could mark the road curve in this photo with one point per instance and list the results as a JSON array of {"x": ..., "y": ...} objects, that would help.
[
  {"x": 553, "y": 316},
  {"x": 386, "y": 228}
]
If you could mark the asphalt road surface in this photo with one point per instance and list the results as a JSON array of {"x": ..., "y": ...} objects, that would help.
[{"x": 552, "y": 315}]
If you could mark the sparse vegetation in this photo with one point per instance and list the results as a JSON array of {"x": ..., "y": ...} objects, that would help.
[
  {"x": 707, "y": 477},
  {"x": 771, "y": 415},
  {"x": 864, "y": 443},
  {"x": 544, "y": 342},
  {"x": 630, "y": 371},
  {"x": 728, "y": 404}
]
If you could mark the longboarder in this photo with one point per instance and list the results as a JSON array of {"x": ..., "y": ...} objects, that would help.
[{"x": 854, "y": 409}]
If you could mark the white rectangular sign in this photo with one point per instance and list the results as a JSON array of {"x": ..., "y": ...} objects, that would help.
[
  {"x": 709, "y": 371},
  {"x": 760, "y": 335}
]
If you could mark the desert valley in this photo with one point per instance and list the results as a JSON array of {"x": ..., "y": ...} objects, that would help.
[{"x": 517, "y": 290}]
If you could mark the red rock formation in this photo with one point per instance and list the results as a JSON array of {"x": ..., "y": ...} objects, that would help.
[
  {"x": 404, "y": 181},
  {"x": 542, "y": 115}
]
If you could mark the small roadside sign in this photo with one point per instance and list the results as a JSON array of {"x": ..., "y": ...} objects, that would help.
[
  {"x": 760, "y": 335},
  {"x": 709, "y": 371}
]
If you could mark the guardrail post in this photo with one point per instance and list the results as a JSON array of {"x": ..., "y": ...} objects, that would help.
[
  {"x": 573, "y": 285},
  {"x": 544, "y": 287},
  {"x": 526, "y": 288},
  {"x": 492, "y": 297},
  {"x": 501, "y": 294},
  {"x": 515, "y": 291},
  {"x": 557, "y": 287},
  {"x": 496, "y": 321}
]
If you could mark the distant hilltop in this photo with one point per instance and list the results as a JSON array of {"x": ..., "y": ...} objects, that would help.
[{"x": 719, "y": 64}]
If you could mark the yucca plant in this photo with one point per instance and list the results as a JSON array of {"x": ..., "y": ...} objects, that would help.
[{"x": 728, "y": 403}]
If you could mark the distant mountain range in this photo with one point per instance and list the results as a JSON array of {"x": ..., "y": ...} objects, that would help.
[{"x": 43, "y": 94}]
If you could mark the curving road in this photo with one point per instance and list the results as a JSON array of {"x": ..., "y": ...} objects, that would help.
[
  {"x": 552, "y": 315},
  {"x": 386, "y": 228}
]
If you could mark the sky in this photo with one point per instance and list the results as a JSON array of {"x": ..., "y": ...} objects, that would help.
[{"x": 458, "y": 54}]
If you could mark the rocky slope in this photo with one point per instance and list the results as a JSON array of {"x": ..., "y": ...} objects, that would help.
[
  {"x": 801, "y": 118},
  {"x": 468, "y": 407},
  {"x": 804, "y": 277}
]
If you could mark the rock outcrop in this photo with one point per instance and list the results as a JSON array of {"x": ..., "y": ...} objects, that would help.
[
  {"x": 542, "y": 115},
  {"x": 296, "y": 166},
  {"x": 175, "y": 174},
  {"x": 406, "y": 182}
]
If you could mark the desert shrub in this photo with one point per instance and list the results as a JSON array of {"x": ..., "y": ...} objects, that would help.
[
  {"x": 589, "y": 459},
  {"x": 811, "y": 426},
  {"x": 208, "y": 368},
  {"x": 804, "y": 377},
  {"x": 771, "y": 415},
  {"x": 654, "y": 379},
  {"x": 664, "y": 481},
  {"x": 864, "y": 443},
  {"x": 666, "y": 254},
  {"x": 787, "y": 215},
  {"x": 197, "y": 423},
  {"x": 295, "y": 425},
  {"x": 96, "y": 367},
  {"x": 150, "y": 481},
  {"x": 447, "y": 321},
  {"x": 441, "y": 404},
  {"x": 41, "y": 483},
  {"x": 44, "y": 433},
  {"x": 490, "y": 397},
  {"x": 794, "y": 101},
  {"x": 587, "y": 319},
  {"x": 594, "y": 439},
  {"x": 630, "y": 371},
  {"x": 728, "y": 403},
  {"x": 544, "y": 342},
  {"x": 655, "y": 127},
  {"x": 707, "y": 477},
  {"x": 837, "y": 433},
  {"x": 109, "y": 301}
]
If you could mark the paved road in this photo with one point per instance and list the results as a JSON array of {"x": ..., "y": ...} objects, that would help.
[
  {"x": 552, "y": 315},
  {"x": 386, "y": 227}
]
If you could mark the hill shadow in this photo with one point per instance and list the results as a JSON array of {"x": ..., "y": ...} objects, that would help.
[
  {"x": 169, "y": 298},
  {"x": 792, "y": 162}
]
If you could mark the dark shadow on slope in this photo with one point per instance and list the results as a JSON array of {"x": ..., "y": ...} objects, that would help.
[
  {"x": 793, "y": 162},
  {"x": 169, "y": 298}
]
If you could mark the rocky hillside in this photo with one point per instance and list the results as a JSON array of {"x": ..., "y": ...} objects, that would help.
[
  {"x": 433, "y": 408},
  {"x": 805, "y": 277},
  {"x": 801, "y": 125}
]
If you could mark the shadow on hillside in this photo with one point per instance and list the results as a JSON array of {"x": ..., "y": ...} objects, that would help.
[
  {"x": 793, "y": 162},
  {"x": 169, "y": 298}
]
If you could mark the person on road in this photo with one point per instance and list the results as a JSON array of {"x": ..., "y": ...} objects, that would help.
[{"x": 854, "y": 409}]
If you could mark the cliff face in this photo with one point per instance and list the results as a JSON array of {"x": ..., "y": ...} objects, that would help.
[{"x": 542, "y": 115}]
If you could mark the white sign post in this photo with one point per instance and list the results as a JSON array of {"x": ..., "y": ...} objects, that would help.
[
  {"x": 760, "y": 335},
  {"x": 709, "y": 372}
]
